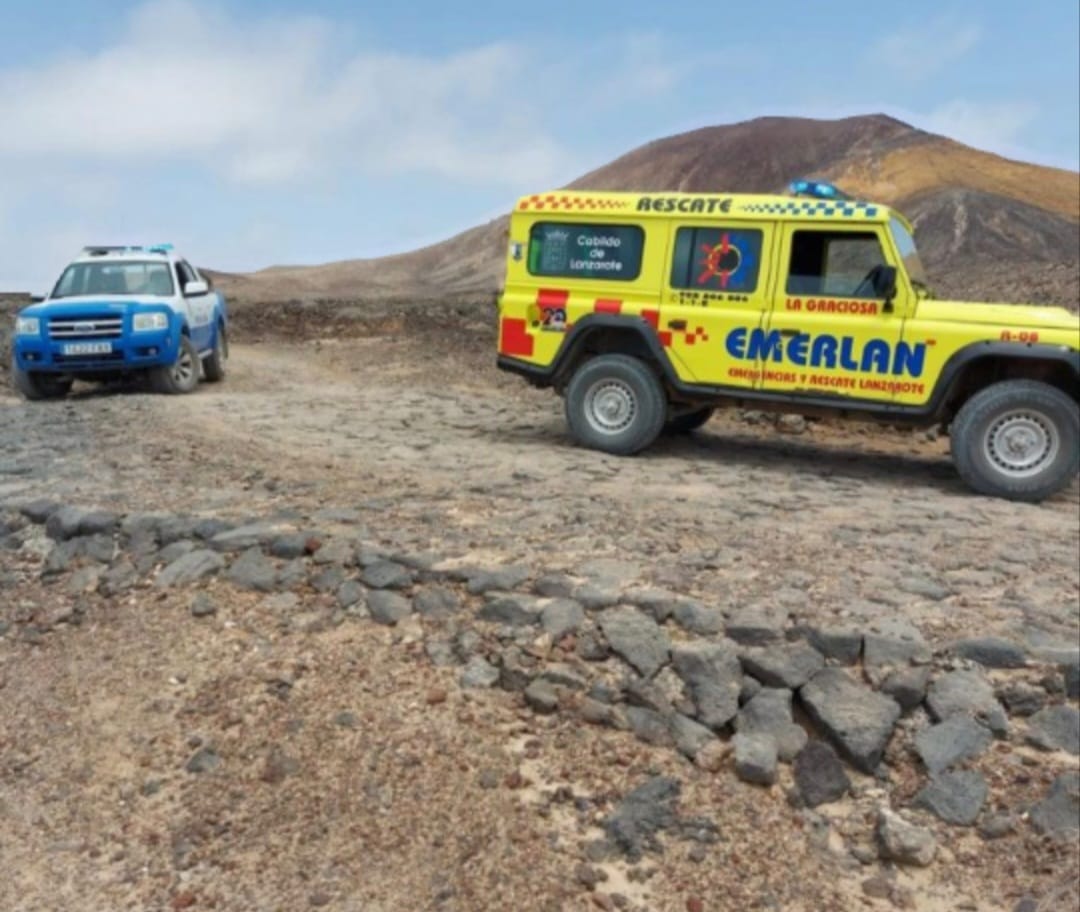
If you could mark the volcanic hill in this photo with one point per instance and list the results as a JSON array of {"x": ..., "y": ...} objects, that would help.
[{"x": 988, "y": 228}]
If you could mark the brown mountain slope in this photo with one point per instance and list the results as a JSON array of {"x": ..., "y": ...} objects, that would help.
[
  {"x": 983, "y": 246},
  {"x": 988, "y": 227},
  {"x": 968, "y": 224},
  {"x": 875, "y": 157},
  {"x": 756, "y": 156},
  {"x": 468, "y": 263}
]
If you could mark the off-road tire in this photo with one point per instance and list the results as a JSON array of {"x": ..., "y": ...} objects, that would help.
[
  {"x": 1018, "y": 439},
  {"x": 615, "y": 403},
  {"x": 214, "y": 363},
  {"x": 36, "y": 387},
  {"x": 690, "y": 421},
  {"x": 182, "y": 376}
]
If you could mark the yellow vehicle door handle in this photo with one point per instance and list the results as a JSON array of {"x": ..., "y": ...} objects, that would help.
[
  {"x": 789, "y": 332},
  {"x": 676, "y": 324}
]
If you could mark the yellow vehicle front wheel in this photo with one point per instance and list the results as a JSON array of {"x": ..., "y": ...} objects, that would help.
[{"x": 1018, "y": 439}]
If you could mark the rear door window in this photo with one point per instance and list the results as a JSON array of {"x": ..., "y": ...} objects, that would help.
[
  {"x": 716, "y": 259},
  {"x": 582, "y": 251}
]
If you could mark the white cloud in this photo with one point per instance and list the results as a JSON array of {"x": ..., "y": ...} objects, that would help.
[
  {"x": 292, "y": 107},
  {"x": 998, "y": 126},
  {"x": 271, "y": 100},
  {"x": 919, "y": 51}
]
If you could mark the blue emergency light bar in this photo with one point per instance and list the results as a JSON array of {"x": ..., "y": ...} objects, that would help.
[
  {"x": 817, "y": 190},
  {"x": 103, "y": 249}
]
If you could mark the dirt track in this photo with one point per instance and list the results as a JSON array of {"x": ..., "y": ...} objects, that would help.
[
  {"x": 447, "y": 453},
  {"x": 440, "y": 453}
]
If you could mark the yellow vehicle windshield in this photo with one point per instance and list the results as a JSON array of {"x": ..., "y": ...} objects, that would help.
[{"x": 905, "y": 244}]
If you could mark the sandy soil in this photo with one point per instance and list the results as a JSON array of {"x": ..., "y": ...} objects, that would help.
[{"x": 425, "y": 796}]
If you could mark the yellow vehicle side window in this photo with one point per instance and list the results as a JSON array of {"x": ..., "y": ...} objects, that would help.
[
  {"x": 582, "y": 251},
  {"x": 716, "y": 259},
  {"x": 838, "y": 264}
]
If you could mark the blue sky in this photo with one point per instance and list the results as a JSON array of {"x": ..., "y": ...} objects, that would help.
[{"x": 257, "y": 133}]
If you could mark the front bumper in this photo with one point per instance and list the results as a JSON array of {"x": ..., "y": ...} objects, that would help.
[{"x": 129, "y": 352}]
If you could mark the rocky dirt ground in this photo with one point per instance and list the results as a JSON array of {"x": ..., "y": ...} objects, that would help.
[{"x": 451, "y": 662}]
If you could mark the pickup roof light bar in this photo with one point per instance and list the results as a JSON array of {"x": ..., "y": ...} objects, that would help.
[
  {"x": 817, "y": 190},
  {"x": 105, "y": 249}
]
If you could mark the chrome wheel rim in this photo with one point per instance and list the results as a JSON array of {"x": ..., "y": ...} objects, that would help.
[
  {"x": 184, "y": 368},
  {"x": 610, "y": 406},
  {"x": 1021, "y": 443}
]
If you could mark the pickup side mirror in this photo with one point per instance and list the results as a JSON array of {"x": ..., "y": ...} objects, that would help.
[
  {"x": 196, "y": 288},
  {"x": 885, "y": 283}
]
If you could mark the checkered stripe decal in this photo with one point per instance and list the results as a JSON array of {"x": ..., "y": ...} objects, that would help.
[
  {"x": 568, "y": 203},
  {"x": 843, "y": 208},
  {"x": 697, "y": 334}
]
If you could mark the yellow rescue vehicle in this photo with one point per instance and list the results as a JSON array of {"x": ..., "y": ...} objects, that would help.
[{"x": 646, "y": 311}]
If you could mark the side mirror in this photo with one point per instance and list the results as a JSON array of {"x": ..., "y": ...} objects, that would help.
[
  {"x": 194, "y": 289},
  {"x": 885, "y": 283},
  {"x": 36, "y": 299}
]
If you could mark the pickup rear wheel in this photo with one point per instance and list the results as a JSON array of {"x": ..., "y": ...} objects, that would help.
[
  {"x": 182, "y": 376},
  {"x": 214, "y": 363},
  {"x": 36, "y": 387},
  {"x": 1019, "y": 439},
  {"x": 615, "y": 403}
]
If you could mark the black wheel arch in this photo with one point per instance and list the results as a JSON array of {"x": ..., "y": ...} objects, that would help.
[
  {"x": 982, "y": 364},
  {"x": 602, "y": 334}
]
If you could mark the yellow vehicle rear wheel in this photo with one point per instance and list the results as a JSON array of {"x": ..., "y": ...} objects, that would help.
[
  {"x": 615, "y": 403},
  {"x": 1018, "y": 439}
]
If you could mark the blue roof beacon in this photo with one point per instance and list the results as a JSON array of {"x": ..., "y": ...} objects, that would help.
[{"x": 817, "y": 190}]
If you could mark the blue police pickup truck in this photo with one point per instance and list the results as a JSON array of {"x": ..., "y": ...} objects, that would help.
[{"x": 120, "y": 311}]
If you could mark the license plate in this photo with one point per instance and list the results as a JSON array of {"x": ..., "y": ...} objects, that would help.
[{"x": 88, "y": 348}]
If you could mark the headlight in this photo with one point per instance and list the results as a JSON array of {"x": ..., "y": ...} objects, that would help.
[
  {"x": 27, "y": 326},
  {"x": 144, "y": 322}
]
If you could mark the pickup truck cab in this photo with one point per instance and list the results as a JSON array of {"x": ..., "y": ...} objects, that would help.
[
  {"x": 646, "y": 311},
  {"x": 119, "y": 311}
]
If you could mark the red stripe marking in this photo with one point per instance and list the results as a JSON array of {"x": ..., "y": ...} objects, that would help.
[
  {"x": 607, "y": 306},
  {"x": 652, "y": 317},
  {"x": 515, "y": 339},
  {"x": 552, "y": 297}
]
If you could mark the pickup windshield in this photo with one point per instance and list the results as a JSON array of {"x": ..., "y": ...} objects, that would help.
[
  {"x": 127, "y": 278},
  {"x": 905, "y": 244}
]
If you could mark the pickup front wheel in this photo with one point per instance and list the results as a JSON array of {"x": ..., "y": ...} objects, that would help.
[
  {"x": 615, "y": 403},
  {"x": 40, "y": 386},
  {"x": 182, "y": 376},
  {"x": 1019, "y": 439}
]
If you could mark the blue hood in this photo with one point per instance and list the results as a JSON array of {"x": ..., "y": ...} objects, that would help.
[{"x": 76, "y": 307}]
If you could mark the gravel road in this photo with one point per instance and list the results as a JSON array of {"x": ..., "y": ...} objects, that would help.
[
  {"x": 443, "y": 452},
  {"x": 203, "y": 722}
]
